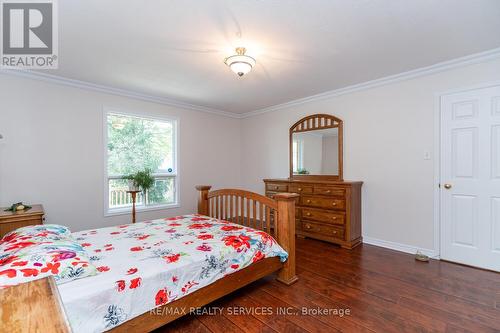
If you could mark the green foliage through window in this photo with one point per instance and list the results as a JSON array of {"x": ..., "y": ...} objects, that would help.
[{"x": 136, "y": 144}]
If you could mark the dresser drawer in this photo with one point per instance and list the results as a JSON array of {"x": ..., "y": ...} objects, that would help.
[
  {"x": 277, "y": 187},
  {"x": 300, "y": 189},
  {"x": 323, "y": 216},
  {"x": 328, "y": 190},
  {"x": 326, "y": 230},
  {"x": 6, "y": 227},
  {"x": 322, "y": 202},
  {"x": 10, "y": 221}
]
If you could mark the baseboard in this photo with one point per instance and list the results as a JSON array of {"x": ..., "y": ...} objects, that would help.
[{"x": 400, "y": 247}]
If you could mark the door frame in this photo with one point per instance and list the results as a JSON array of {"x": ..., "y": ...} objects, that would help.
[{"x": 437, "y": 157}]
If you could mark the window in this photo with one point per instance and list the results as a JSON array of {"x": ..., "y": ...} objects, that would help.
[
  {"x": 135, "y": 143},
  {"x": 298, "y": 161}
]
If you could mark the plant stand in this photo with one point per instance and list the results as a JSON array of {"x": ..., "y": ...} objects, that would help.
[{"x": 133, "y": 194}]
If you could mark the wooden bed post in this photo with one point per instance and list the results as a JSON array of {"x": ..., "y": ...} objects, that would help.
[
  {"x": 203, "y": 199},
  {"x": 285, "y": 228}
]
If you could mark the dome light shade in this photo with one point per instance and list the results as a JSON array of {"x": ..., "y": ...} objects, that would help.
[{"x": 240, "y": 63}]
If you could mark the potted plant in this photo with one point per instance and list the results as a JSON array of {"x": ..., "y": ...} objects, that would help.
[
  {"x": 140, "y": 181},
  {"x": 302, "y": 172}
]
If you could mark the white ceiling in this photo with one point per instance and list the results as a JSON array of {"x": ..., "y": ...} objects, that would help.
[{"x": 175, "y": 49}]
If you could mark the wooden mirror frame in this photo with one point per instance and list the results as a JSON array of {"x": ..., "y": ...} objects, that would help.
[{"x": 312, "y": 123}]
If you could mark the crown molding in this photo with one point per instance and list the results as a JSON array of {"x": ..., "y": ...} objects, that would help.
[
  {"x": 436, "y": 68},
  {"x": 114, "y": 91}
]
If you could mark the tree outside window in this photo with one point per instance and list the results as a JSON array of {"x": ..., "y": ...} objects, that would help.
[{"x": 135, "y": 144}]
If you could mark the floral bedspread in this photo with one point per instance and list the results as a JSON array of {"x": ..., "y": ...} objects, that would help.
[{"x": 144, "y": 265}]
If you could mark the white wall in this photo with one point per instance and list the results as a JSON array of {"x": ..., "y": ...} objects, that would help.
[
  {"x": 387, "y": 130},
  {"x": 52, "y": 151}
]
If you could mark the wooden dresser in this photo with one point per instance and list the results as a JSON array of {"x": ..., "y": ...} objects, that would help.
[
  {"x": 325, "y": 210},
  {"x": 12, "y": 220}
]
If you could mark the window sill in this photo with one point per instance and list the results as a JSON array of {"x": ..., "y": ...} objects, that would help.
[{"x": 128, "y": 210}]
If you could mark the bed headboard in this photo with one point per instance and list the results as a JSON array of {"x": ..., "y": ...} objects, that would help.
[{"x": 274, "y": 216}]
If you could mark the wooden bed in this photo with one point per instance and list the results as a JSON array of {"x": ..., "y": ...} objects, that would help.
[{"x": 274, "y": 216}]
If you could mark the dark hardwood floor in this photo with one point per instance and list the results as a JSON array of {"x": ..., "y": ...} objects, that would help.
[{"x": 384, "y": 290}]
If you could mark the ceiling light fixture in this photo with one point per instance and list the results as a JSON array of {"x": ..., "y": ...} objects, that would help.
[{"x": 240, "y": 63}]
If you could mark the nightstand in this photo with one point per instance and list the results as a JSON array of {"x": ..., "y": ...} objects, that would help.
[
  {"x": 33, "y": 307},
  {"x": 12, "y": 220}
]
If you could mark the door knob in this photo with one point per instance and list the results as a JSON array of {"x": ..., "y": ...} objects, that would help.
[{"x": 447, "y": 186}]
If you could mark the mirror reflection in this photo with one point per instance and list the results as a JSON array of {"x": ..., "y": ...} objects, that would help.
[{"x": 316, "y": 152}]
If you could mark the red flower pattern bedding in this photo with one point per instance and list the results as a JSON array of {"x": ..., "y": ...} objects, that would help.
[{"x": 148, "y": 264}]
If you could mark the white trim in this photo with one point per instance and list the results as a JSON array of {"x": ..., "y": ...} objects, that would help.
[
  {"x": 478, "y": 86},
  {"x": 472, "y": 59},
  {"x": 176, "y": 122},
  {"x": 437, "y": 174},
  {"x": 400, "y": 247},
  {"x": 127, "y": 210},
  {"x": 114, "y": 91},
  {"x": 436, "y": 68}
]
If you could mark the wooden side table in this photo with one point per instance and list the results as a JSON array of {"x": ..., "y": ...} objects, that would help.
[
  {"x": 33, "y": 307},
  {"x": 12, "y": 220}
]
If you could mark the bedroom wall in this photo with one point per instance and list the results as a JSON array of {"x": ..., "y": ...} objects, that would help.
[
  {"x": 387, "y": 131},
  {"x": 52, "y": 151}
]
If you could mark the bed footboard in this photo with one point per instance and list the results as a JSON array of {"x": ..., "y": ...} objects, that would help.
[{"x": 274, "y": 216}]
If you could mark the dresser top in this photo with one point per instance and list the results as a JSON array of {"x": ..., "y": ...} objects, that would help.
[
  {"x": 35, "y": 210},
  {"x": 329, "y": 182}
]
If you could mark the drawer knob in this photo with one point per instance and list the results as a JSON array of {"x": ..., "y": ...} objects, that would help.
[
  {"x": 334, "y": 232},
  {"x": 308, "y": 201},
  {"x": 308, "y": 214},
  {"x": 276, "y": 187},
  {"x": 334, "y": 204},
  {"x": 328, "y": 191},
  {"x": 334, "y": 217},
  {"x": 308, "y": 226},
  {"x": 300, "y": 189}
]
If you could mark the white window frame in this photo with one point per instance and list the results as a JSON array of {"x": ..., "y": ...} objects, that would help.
[
  {"x": 127, "y": 210},
  {"x": 300, "y": 156}
]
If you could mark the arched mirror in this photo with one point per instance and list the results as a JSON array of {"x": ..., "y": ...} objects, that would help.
[{"x": 316, "y": 143}]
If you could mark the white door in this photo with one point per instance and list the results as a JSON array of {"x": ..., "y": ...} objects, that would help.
[{"x": 470, "y": 178}]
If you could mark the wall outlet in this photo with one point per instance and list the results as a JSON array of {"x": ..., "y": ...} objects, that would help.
[{"x": 427, "y": 155}]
